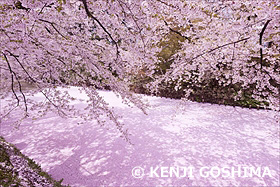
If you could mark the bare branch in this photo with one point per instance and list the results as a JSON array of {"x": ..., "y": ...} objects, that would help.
[
  {"x": 261, "y": 37},
  {"x": 12, "y": 78},
  {"x": 46, "y": 5},
  {"x": 42, "y": 9},
  {"x": 53, "y": 25},
  {"x": 219, "y": 47},
  {"x": 89, "y": 14},
  {"x": 20, "y": 89}
]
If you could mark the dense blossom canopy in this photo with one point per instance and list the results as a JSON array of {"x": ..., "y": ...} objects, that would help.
[{"x": 102, "y": 43}]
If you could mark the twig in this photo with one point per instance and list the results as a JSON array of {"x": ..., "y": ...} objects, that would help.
[
  {"x": 170, "y": 5},
  {"x": 49, "y": 6},
  {"x": 53, "y": 25}
]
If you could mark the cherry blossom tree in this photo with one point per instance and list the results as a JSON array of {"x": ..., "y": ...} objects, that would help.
[
  {"x": 104, "y": 43},
  {"x": 228, "y": 41},
  {"x": 62, "y": 43}
]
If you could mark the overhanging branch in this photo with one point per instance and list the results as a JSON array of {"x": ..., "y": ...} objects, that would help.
[
  {"x": 12, "y": 78},
  {"x": 219, "y": 47},
  {"x": 19, "y": 85},
  {"x": 35, "y": 82}
]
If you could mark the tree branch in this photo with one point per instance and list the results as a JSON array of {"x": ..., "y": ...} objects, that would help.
[
  {"x": 89, "y": 14},
  {"x": 170, "y": 5},
  {"x": 177, "y": 32},
  {"x": 46, "y": 5},
  {"x": 52, "y": 24},
  {"x": 34, "y": 81},
  {"x": 12, "y": 78},
  {"x": 18, "y": 5},
  {"x": 135, "y": 21},
  {"x": 261, "y": 37},
  {"x": 16, "y": 57},
  {"x": 221, "y": 46},
  {"x": 19, "y": 85}
]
